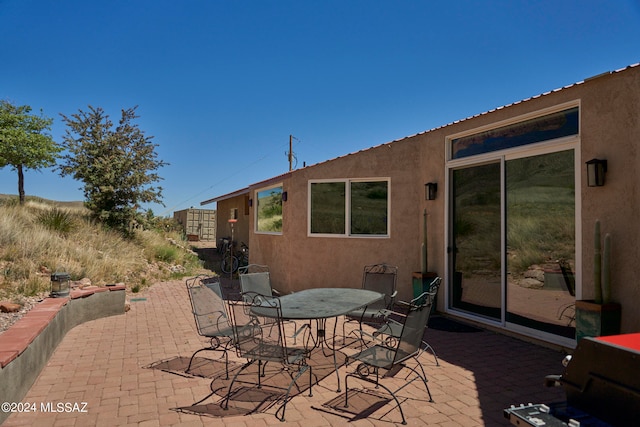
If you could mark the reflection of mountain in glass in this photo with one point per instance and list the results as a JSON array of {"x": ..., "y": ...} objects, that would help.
[{"x": 552, "y": 126}]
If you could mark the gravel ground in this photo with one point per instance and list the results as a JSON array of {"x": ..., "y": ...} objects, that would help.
[{"x": 8, "y": 319}]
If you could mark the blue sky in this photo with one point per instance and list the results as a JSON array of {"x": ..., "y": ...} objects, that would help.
[{"x": 221, "y": 84}]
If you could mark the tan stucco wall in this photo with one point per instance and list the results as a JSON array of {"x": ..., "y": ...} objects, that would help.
[
  {"x": 241, "y": 228},
  {"x": 610, "y": 129},
  {"x": 298, "y": 261}
]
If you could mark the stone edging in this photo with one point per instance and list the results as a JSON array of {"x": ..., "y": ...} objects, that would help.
[{"x": 27, "y": 345}]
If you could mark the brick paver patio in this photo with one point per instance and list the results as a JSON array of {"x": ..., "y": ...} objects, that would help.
[{"x": 104, "y": 363}]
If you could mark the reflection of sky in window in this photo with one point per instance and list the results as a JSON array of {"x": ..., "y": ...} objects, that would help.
[
  {"x": 269, "y": 192},
  {"x": 545, "y": 128}
]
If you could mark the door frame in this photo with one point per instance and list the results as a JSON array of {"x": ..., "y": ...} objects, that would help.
[{"x": 560, "y": 144}]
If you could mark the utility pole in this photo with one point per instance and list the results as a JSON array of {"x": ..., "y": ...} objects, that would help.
[{"x": 290, "y": 152}]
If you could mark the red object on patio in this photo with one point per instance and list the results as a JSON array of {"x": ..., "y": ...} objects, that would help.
[{"x": 630, "y": 341}]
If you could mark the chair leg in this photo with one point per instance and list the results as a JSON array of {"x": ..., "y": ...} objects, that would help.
[
  {"x": 426, "y": 347},
  {"x": 423, "y": 377},
  {"x": 224, "y": 353},
  {"x": 215, "y": 345},
  {"x": 376, "y": 382},
  {"x": 283, "y": 407},
  {"x": 225, "y": 401}
]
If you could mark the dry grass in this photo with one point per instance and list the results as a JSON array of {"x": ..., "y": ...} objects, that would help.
[{"x": 32, "y": 245}]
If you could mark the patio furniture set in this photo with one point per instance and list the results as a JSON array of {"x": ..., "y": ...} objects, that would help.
[{"x": 265, "y": 327}]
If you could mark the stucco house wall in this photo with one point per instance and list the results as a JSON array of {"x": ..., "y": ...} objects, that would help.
[
  {"x": 241, "y": 227},
  {"x": 609, "y": 129}
]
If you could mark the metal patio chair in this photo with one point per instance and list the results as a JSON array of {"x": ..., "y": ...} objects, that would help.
[
  {"x": 254, "y": 343},
  {"x": 391, "y": 330},
  {"x": 390, "y": 358},
  {"x": 380, "y": 278},
  {"x": 256, "y": 278},
  {"x": 209, "y": 311}
]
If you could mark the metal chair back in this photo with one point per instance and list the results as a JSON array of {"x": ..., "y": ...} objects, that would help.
[
  {"x": 259, "y": 283},
  {"x": 410, "y": 340},
  {"x": 208, "y": 307},
  {"x": 211, "y": 317},
  {"x": 381, "y": 278},
  {"x": 255, "y": 338}
]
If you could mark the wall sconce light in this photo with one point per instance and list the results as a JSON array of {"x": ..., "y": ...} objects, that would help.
[
  {"x": 250, "y": 202},
  {"x": 284, "y": 196},
  {"x": 60, "y": 285},
  {"x": 430, "y": 190},
  {"x": 596, "y": 170}
]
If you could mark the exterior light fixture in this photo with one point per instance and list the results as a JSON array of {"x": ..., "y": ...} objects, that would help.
[
  {"x": 284, "y": 196},
  {"x": 60, "y": 284},
  {"x": 430, "y": 190},
  {"x": 596, "y": 170}
]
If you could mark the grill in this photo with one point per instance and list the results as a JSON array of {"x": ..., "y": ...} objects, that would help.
[{"x": 601, "y": 384}]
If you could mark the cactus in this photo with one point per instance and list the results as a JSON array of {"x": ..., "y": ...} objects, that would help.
[
  {"x": 424, "y": 267},
  {"x": 606, "y": 270},
  {"x": 597, "y": 265}
]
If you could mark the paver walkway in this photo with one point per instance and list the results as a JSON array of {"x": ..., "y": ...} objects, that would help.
[{"x": 103, "y": 364}]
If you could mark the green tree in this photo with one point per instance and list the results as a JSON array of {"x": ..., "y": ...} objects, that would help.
[
  {"x": 25, "y": 142},
  {"x": 117, "y": 165}
]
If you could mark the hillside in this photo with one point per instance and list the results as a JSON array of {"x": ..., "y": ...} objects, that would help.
[
  {"x": 69, "y": 205},
  {"x": 45, "y": 236}
]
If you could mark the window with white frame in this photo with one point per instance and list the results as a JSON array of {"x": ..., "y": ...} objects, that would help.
[
  {"x": 269, "y": 210},
  {"x": 349, "y": 207}
]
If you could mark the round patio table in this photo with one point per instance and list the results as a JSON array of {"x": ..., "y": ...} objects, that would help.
[{"x": 322, "y": 303}]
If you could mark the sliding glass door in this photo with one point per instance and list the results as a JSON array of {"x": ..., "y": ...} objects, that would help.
[
  {"x": 540, "y": 242},
  {"x": 512, "y": 241},
  {"x": 475, "y": 253}
]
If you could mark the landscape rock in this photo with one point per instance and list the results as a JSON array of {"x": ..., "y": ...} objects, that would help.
[
  {"x": 530, "y": 283},
  {"x": 535, "y": 272},
  {"x": 9, "y": 307}
]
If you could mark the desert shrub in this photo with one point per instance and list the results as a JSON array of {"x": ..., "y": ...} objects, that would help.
[
  {"x": 33, "y": 285},
  {"x": 57, "y": 220},
  {"x": 166, "y": 253}
]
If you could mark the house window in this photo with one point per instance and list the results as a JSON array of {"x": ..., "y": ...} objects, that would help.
[
  {"x": 543, "y": 128},
  {"x": 269, "y": 210},
  {"x": 349, "y": 207}
]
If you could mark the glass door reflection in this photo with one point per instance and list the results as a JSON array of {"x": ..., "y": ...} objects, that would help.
[{"x": 475, "y": 253}]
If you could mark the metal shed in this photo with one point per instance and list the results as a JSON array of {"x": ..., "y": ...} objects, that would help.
[{"x": 198, "y": 224}]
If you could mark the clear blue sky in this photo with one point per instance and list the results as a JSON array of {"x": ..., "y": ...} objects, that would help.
[{"x": 221, "y": 84}]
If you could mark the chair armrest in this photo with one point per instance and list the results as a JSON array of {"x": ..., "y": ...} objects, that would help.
[
  {"x": 427, "y": 296},
  {"x": 395, "y": 313}
]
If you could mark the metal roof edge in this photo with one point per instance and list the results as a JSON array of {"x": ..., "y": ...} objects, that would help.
[
  {"x": 226, "y": 196},
  {"x": 245, "y": 190}
]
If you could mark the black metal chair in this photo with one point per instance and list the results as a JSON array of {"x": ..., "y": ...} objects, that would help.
[
  {"x": 256, "y": 278},
  {"x": 380, "y": 278},
  {"x": 390, "y": 331},
  {"x": 256, "y": 341},
  {"x": 387, "y": 358},
  {"x": 209, "y": 311}
]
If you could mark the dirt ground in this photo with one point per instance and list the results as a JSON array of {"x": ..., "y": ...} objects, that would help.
[{"x": 208, "y": 253}]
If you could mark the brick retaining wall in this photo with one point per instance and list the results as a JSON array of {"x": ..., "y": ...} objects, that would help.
[{"x": 27, "y": 345}]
